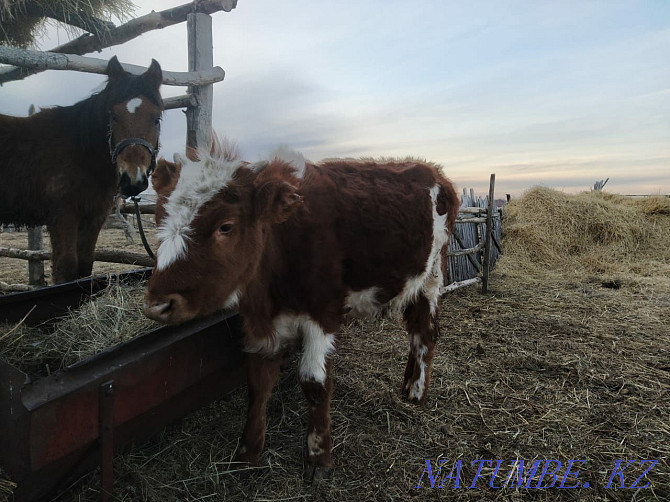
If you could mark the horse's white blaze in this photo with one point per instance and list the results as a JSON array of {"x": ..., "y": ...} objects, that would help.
[
  {"x": 140, "y": 174},
  {"x": 133, "y": 104}
]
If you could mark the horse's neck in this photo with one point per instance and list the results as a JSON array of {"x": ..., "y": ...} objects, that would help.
[{"x": 88, "y": 123}]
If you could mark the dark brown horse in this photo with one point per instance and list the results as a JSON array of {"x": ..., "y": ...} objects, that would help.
[{"x": 62, "y": 166}]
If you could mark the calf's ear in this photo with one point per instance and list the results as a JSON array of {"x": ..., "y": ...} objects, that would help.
[
  {"x": 276, "y": 200},
  {"x": 164, "y": 177}
]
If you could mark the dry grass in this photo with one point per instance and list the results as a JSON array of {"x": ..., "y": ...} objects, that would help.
[
  {"x": 20, "y": 29},
  {"x": 555, "y": 363},
  {"x": 112, "y": 317}
]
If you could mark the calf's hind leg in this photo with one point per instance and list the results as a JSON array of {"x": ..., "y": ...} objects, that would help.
[{"x": 423, "y": 330}]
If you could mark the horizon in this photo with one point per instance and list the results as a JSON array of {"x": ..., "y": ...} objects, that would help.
[{"x": 557, "y": 95}]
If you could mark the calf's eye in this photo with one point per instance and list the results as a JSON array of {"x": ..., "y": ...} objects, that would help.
[{"x": 226, "y": 228}]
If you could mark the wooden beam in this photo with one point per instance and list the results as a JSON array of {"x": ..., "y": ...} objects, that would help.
[
  {"x": 200, "y": 58},
  {"x": 471, "y": 220},
  {"x": 106, "y": 255},
  {"x": 52, "y": 61},
  {"x": 486, "y": 261},
  {"x": 461, "y": 284},
  {"x": 129, "y": 208},
  {"x": 88, "y": 43},
  {"x": 184, "y": 101},
  {"x": 467, "y": 251}
]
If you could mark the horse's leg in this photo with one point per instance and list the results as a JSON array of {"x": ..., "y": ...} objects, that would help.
[
  {"x": 87, "y": 237},
  {"x": 63, "y": 236},
  {"x": 262, "y": 374},
  {"x": 423, "y": 329}
]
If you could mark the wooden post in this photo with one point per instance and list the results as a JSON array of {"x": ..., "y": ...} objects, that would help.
[
  {"x": 35, "y": 267},
  {"x": 200, "y": 57},
  {"x": 35, "y": 243},
  {"x": 489, "y": 232}
]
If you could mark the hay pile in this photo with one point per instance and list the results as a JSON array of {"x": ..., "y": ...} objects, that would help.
[
  {"x": 113, "y": 316},
  {"x": 24, "y": 20},
  {"x": 549, "y": 232}
]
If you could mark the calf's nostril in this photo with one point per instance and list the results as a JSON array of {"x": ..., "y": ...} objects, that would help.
[{"x": 164, "y": 308}]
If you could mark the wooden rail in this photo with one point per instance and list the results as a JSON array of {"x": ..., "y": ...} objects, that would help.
[{"x": 106, "y": 255}]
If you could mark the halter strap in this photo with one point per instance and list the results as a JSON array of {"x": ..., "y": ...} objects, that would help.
[{"x": 121, "y": 145}]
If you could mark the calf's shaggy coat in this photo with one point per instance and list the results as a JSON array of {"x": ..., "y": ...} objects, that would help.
[{"x": 296, "y": 247}]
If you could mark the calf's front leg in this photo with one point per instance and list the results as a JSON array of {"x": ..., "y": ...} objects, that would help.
[
  {"x": 262, "y": 374},
  {"x": 317, "y": 385}
]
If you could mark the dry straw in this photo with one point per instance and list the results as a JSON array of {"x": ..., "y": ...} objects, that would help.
[
  {"x": 20, "y": 28},
  {"x": 113, "y": 316}
]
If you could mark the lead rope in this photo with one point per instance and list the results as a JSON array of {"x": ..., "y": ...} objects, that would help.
[{"x": 141, "y": 229}]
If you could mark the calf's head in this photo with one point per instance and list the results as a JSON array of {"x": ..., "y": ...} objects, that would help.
[{"x": 213, "y": 215}]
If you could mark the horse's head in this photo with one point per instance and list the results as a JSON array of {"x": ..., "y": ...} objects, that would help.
[{"x": 135, "y": 108}]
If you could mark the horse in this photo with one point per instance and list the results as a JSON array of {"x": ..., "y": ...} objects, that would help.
[{"x": 62, "y": 166}]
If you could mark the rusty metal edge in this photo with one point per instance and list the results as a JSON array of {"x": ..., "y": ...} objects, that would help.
[{"x": 80, "y": 374}]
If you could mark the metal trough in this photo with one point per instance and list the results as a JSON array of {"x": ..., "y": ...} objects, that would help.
[{"x": 54, "y": 429}]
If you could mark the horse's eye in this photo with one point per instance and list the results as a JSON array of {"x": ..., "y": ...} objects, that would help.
[
  {"x": 226, "y": 228},
  {"x": 157, "y": 121}
]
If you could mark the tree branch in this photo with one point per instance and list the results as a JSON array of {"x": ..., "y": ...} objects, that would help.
[{"x": 125, "y": 32}]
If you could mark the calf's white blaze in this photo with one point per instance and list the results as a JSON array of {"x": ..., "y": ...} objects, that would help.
[{"x": 198, "y": 183}]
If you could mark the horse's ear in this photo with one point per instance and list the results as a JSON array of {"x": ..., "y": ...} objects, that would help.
[
  {"x": 154, "y": 75},
  {"x": 114, "y": 69}
]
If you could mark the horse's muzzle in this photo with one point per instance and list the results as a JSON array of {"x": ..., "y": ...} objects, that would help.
[{"x": 129, "y": 188}]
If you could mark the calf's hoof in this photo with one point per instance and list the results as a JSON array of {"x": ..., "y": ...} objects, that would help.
[
  {"x": 244, "y": 456},
  {"x": 317, "y": 473}
]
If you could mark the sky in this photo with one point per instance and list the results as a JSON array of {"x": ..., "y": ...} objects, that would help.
[{"x": 558, "y": 94}]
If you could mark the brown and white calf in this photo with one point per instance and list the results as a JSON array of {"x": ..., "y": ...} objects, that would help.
[{"x": 296, "y": 246}]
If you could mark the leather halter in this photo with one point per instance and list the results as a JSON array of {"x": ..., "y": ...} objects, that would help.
[{"x": 121, "y": 145}]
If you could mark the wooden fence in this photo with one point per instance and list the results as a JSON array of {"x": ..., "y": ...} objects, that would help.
[{"x": 471, "y": 242}]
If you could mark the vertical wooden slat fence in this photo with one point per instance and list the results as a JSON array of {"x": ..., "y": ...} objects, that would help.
[{"x": 465, "y": 256}]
